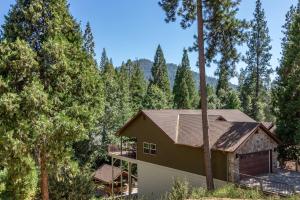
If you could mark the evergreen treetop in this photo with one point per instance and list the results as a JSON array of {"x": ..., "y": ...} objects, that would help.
[
  {"x": 257, "y": 73},
  {"x": 88, "y": 41},
  {"x": 159, "y": 72}
]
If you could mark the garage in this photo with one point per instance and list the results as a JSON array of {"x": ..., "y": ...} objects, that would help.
[{"x": 255, "y": 163}]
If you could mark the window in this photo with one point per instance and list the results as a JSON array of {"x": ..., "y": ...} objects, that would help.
[
  {"x": 149, "y": 148},
  {"x": 146, "y": 147},
  {"x": 153, "y": 148}
]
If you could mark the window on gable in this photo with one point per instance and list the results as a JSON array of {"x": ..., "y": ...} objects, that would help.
[
  {"x": 149, "y": 148},
  {"x": 146, "y": 147},
  {"x": 153, "y": 148}
]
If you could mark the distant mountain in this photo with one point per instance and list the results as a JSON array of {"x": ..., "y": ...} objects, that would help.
[{"x": 146, "y": 66}]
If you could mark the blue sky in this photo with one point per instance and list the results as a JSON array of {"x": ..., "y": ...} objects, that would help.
[{"x": 133, "y": 28}]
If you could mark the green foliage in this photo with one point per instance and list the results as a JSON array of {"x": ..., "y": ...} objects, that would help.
[
  {"x": 20, "y": 179},
  {"x": 184, "y": 90},
  {"x": 225, "y": 35},
  {"x": 213, "y": 102},
  {"x": 109, "y": 121},
  {"x": 160, "y": 76},
  {"x": 155, "y": 98},
  {"x": 286, "y": 91},
  {"x": 88, "y": 41},
  {"x": 124, "y": 77},
  {"x": 50, "y": 92},
  {"x": 36, "y": 21},
  {"x": 228, "y": 191},
  {"x": 179, "y": 191},
  {"x": 71, "y": 183},
  {"x": 103, "y": 60},
  {"x": 18, "y": 65},
  {"x": 256, "y": 77},
  {"x": 230, "y": 99},
  {"x": 137, "y": 88}
]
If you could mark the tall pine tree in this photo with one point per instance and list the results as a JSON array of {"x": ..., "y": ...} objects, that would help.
[
  {"x": 50, "y": 91},
  {"x": 226, "y": 37},
  {"x": 257, "y": 74},
  {"x": 286, "y": 92},
  {"x": 124, "y": 76},
  {"x": 160, "y": 76},
  {"x": 103, "y": 60},
  {"x": 137, "y": 87},
  {"x": 88, "y": 40},
  {"x": 184, "y": 90}
]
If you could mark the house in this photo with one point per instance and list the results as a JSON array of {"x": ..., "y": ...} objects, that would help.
[{"x": 168, "y": 144}]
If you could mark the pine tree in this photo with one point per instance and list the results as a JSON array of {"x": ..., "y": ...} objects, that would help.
[
  {"x": 159, "y": 71},
  {"x": 183, "y": 100},
  {"x": 111, "y": 106},
  {"x": 229, "y": 35},
  {"x": 286, "y": 91},
  {"x": 88, "y": 41},
  {"x": 184, "y": 78},
  {"x": 211, "y": 16},
  {"x": 213, "y": 102},
  {"x": 103, "y": 60},
  {"x": 137, "y": 87},
  {"x": 229, "y": 99},
  {"x": 123, "y": 79},
  {"x": 258, "y": 68},
  {"x": 51, "y": 93},
  {"x": 155, "y": 98}
]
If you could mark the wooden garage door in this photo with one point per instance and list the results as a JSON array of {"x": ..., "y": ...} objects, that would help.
[{"x": 255, "y": 163}]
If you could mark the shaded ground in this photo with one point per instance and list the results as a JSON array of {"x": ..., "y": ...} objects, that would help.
[{"x": 282, "y": 182}]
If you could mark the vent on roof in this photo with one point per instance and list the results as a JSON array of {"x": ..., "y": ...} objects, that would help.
[{"x": 216, "y": 118}]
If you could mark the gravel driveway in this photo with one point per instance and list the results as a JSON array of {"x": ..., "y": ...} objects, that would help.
[{"x": 282, "y": 182}]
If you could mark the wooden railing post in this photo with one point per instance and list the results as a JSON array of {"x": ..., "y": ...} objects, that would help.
[{"x": 129, "y": 179}]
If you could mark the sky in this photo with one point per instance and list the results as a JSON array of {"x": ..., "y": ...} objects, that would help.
[{"x": 132, "y": 29}]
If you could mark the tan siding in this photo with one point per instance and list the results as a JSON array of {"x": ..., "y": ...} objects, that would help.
[{"x": 169, "y": 154}]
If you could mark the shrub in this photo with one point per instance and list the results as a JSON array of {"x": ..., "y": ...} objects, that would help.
[{"x": 179, "y": 191}]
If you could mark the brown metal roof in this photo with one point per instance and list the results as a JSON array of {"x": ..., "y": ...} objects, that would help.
[
  {"x": 223, "y": 135},
  {"x": 167, "y": 119},
  {"x": 228, "y": 129},
  {"x": 104, "y": 173}
]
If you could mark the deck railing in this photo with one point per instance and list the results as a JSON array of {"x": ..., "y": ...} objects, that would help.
[{"x": 125, "y": 149}]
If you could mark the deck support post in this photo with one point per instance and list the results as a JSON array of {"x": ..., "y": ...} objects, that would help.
[
  {"x": 112, "y": 177},
  {"x": 129, "y": 179},
  {"x": 121, "y": 176},
  {"x": 121, "y": 148},
  {"x": 297, "y": 162}
]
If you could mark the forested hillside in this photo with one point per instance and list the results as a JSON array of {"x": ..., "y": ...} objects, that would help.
[{"x": 146, "y": 66}]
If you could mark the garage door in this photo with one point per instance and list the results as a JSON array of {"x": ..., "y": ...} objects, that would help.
[{"x": 255, "y": 163}]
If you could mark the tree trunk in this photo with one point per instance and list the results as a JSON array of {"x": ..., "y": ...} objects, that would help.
[
  {"x": 44, "y": 176},
  {"x": 201, "y": 60}
]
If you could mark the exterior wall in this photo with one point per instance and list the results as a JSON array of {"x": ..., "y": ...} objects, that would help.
[
  {"x": 172, "y": 155},
  {"x": 155, "y": 180},
  {"x": 257, "y": 142}
]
